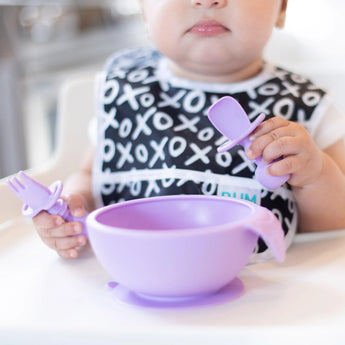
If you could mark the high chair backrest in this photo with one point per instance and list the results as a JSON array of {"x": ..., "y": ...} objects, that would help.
[{"x": 75, "y": 110}]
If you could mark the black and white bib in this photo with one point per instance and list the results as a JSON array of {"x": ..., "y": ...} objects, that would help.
[{"x": 154, "y": 136}]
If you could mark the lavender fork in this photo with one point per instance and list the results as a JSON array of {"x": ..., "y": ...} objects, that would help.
[{"x": 37, "y": 197}]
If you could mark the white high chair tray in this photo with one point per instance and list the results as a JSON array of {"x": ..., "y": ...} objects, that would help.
[{"x": 47, "y": 300}]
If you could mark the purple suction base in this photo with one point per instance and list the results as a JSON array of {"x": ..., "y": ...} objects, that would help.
[{"x": 228, "y": 293}]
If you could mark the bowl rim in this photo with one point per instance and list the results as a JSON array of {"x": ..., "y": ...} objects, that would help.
[{"x": 186, "y": 232}]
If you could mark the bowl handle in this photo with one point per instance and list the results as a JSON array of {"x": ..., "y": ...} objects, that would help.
[{"x": 267, "y": 226}]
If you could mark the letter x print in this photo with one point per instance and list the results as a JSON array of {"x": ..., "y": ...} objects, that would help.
[{"x": 200, "y": 154}]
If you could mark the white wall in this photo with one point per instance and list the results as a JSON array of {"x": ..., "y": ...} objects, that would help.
[{"x": 313, "y": 43}]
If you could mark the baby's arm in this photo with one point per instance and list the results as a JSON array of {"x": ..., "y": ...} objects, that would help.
[
  {"x": 54, "y": 231},
  {"x": 317, "y": 177},
  {"x": 322, "y": 205}
]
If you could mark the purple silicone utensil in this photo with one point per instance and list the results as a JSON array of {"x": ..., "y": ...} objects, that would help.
[
  {"x": 230, "y": 119},
  {"x": 37, "y": 198}
]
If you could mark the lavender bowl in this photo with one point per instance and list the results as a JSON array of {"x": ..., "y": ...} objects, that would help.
[{"x": 180, "y": 246}]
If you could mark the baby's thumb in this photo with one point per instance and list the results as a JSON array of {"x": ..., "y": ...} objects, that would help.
[{"x": 76, "y": 205}]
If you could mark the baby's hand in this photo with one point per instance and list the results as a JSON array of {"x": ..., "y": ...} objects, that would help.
[
  {"x": 60, "y": 235},
  {"x": 276, "y": 138}
]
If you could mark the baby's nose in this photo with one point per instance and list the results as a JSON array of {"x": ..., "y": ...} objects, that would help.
[{"x": 208, "y": 3}]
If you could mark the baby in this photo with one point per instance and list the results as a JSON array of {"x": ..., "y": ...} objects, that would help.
[{"x": 154, "y": 137}]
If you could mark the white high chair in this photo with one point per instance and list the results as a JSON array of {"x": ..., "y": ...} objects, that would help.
[
  {"x": 75, "y": 109},
  {"x": 47, "y": 300}
]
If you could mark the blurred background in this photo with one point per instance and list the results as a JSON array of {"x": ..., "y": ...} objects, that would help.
[{"x": 44, "y": 42}]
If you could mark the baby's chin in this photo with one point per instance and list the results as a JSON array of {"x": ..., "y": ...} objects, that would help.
[{"x": 215, "y": 72}]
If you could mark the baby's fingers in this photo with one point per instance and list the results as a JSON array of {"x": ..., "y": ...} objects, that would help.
[
  {"x": 281, "y": 139},
  {"x": 65, "y": 243},
  {"x": 64, "y": 230},
  {"x": 76, "y": 205},
  {"x": 46, "y": 220},
  {"x": 278, "y": 139},
  {"x": 287, "y": 165},
  {"x": 269, "y": 126},
  {"x": 68, "y": 253}
]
